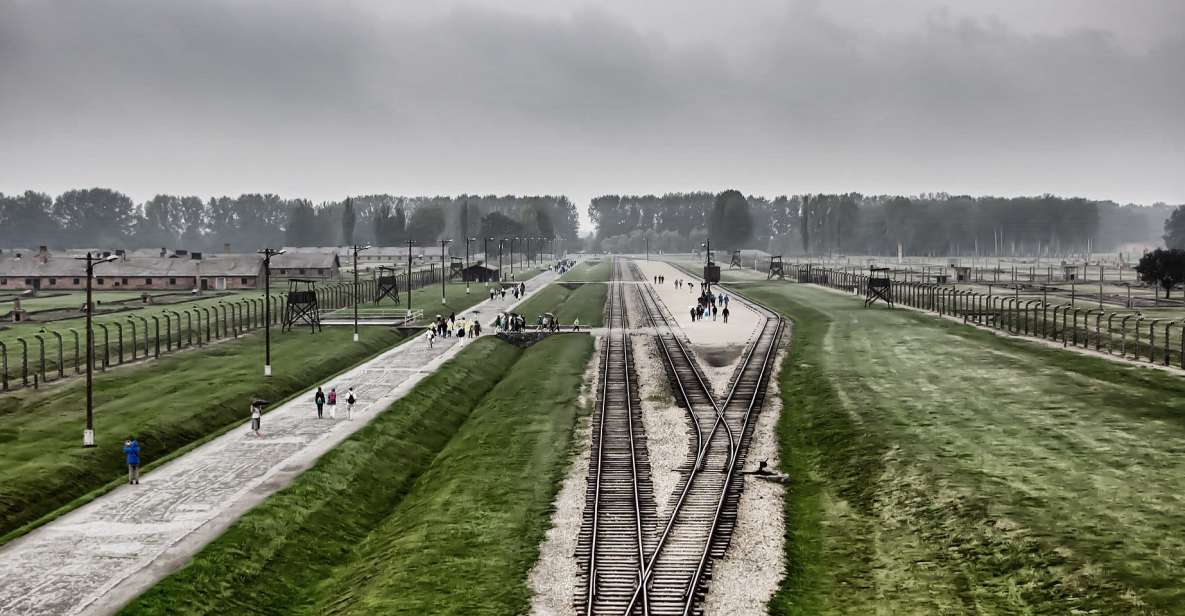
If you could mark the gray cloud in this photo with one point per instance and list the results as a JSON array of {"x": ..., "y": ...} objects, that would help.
[{"x": 321, "y": 99}]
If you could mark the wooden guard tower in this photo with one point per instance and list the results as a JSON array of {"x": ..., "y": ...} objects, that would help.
[
  {"x": 386, "y": 284},
  {"x": 456, "y": 267},
  {"x": 736, "y": 260},
  {"x": 775, "y": 268},
  {"x": 879, "y": 287},
  {"x": 302, "y": 304}
]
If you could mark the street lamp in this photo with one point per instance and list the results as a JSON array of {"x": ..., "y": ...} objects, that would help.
[
  {"x": 463, "y": 273},
  {"x": 512, "y": 257},
  {"x": 501, "y": 241},
  {"x": 485, "y": 258},
  {"x": 443, "y": 275},
  {"x": 268, "y": 253},
  {"x": 88, "y": 434},
  {"x": 357, "y": 249},
  {"x": 410, "y": 243}
]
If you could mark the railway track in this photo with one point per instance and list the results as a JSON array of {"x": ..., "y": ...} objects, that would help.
[
  {"x": 619, "y": 505},
  {"x": 699, "y": 527}
]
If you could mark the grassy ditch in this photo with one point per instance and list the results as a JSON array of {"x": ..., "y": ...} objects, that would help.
[
  {"x": 590, "y": 270},
  {"x": 585, "y": 301},
  {"x": 937, "y": 468},
  {"x": 168, "y": 404},
  {"x": 438, "y": 506}
]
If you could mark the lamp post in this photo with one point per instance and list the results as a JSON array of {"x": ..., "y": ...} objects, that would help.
[
  {"x": 443, "y": 275},
  {"x": 463, "y": 274},
  {"x": 512, "y": 257},
  {"x": 485, "y": 258},
  {"x": 357, "y": 249},
  {"x": 409, "y": 245},
  {"x": 707, "y": 261},
  {"x": 501, "y": 241},
  {"x": 267, "y": 253},
  {"x": 88, "y": 434}
]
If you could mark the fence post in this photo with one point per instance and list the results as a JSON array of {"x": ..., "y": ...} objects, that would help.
[
  {"x": 3, "y": 366},
  {"x": 132, "y": 322},
  {"x": 119, "y": 333},
  {"x": 41, "y": 349},
  {"x": 76, "y": 350},
  {"x": 106, "y": 340},
  {"x": 61, "y": 360},
  {"x": 24, "y": 361},
  {"x": 156, "y": 329}
]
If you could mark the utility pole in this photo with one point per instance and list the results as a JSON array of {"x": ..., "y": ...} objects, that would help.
[
  {"x": 88, "y": 434},
  {"x": 500, "y": 242},
  {"x": 409, "y": 245},
  {"x": 463, "y": 274},
  {"x": 512, "y": 257},
  {"x": 268, "y": 253},
  {"x": 707, "y": 261},
  {"x": 357, "y": 249},
  {"x": 485, "y": 258},
  {"x": 443, "y": 274}
]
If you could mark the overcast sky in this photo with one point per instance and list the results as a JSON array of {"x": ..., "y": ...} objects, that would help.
[{"x": 324, "y": 99}]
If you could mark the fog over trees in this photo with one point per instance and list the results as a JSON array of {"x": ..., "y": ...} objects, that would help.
[
  {"x": 928, "y": 224},
  {"x": 100, "y": 217}
]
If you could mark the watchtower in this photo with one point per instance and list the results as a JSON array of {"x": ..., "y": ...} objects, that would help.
[
  {"x": 302, "y": 304},
  {"x": 736, "y": 260},
  {"x": 879, "y": 286},
  {"x": 386, "y": 284},
  {"x": 775, "y": 268},
  {"x": 712, "y": 273},
  {"x": 962, "y": 273},
  {"x": 456, "y": 267}
]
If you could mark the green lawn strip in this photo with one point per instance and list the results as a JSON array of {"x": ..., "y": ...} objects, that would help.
[
  {"x": 273, "y": 558},
  {"x": 456, "y": 299},
  {"x": 465, "y": 537},
  {"x": 585, "y": 301},
  {"x": 590, "y": 270},
  {"x": 937, "y": 468},
  {"x": 168, "y": 404}
]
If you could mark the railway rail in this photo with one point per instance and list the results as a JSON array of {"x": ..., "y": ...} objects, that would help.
[
  {"x": 631, "y": 562},
  {"x": 699, "y": 527},
  {"x": 619, "y": 505}
]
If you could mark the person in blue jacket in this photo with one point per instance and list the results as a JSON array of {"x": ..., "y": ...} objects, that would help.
[{"x": 131, "y": 449}]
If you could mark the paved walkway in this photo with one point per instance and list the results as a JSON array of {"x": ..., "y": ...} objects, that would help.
[{"x": 97, "y": 558}]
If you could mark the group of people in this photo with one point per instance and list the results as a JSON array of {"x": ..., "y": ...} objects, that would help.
[
  {"x": 662, "y": 279},
  {"x": 510, "y": 322},
  {"x": 445, "y": 327},
  {"x": 516, "y": 291},
  {"x": 710, "y": 304},
  {"x": 322, "y": 400}
]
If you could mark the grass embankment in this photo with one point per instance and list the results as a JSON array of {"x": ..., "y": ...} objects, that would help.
[
  {"x": 457, "y": 300},
  {"x": 937, "y": 468},
  {"x": 585, "y": 301},
  {"x": 590, "y": 270},
  {"x": 167, "y": 404},
  {"x": 437, "y": 507}
]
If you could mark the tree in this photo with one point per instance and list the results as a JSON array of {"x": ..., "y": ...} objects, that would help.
[
  {"x": 95, "y": 216},
  {"x": 1165, "y": 268},
  {"x": 349, "y": 219},
  {"x": 1174, "y": 229},
  {"x": 426, "y": 223},
  {"x": 499, "y": 226},
  {"x": 302, "y": 225},
  {"x": 731, "y": 223},
  {"x": 25, "y": 220}
]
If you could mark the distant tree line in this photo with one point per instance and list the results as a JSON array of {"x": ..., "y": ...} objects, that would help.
[
  {"x": 104, "y": 218},
  {"x": 930, "y": 224}
]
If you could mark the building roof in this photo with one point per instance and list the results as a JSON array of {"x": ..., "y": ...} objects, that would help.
[
  {"x": 301, "y": 258},
  {"x": 132, "y": 266}
]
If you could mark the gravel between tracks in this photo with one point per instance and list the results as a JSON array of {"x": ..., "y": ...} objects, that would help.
[
  {"x": 667, "y": 438},
  {"x": 748, "y": 575},
  {"x": 553, "y": 578}
]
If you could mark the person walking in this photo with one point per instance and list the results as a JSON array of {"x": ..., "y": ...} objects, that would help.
[
  {"x": 131, "y": 451},
  {"x": 725, "y": 312},
  {"x": 319, "y": 400},
  {"x": 522, "y": 288},
  {"x": 333, "y": 403},
  {"x": 431, "y": 339},
  {"x": 256, "y": 417},
  {"x": 576, "y": 324},
  {"x": 350, "y": 400}
]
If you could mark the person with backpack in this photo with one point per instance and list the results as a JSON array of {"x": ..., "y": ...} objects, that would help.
[
  {"x": 131, "y": 452},
  {"x": 333, "y": 403},
  {"x": 319, "y": 400},
  {"x": 350, "y": 400}
]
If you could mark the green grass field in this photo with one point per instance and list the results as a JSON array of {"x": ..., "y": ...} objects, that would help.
[
  {"x": 939, "y": 469},
  {"x": 585, "y": 301},
  {"x": 590, "y": 270},
  {"x": 437, "y": 506},
  {"x": 167, "y": 404}
]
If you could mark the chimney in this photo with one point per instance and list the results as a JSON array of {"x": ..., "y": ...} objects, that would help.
[{"x": 42, "y": 254}]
